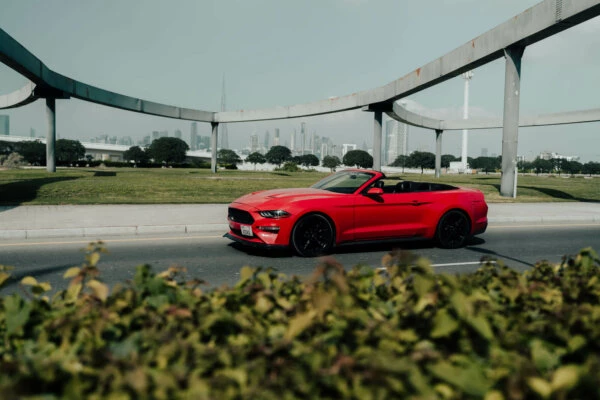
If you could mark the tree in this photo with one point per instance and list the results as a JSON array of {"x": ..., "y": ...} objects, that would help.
[
  {"x": 168, "y": 150},
  {"x": 486, "y": 164},
  {"x": 447, "y": 159},
  {"x": 543, "y": 166},
  {"x": 278, "y": 154},
  {"x": 68, "y": 151},
  {"x": 572, "y": 167},
  {"x": 421, "y": 159},
  {"x": 309, "y": 160},
  {"x": 136, "y": 154},
  {"x": 525, "y": 166},
  {"x": 558, "y": 164},
  {"x": 359, "y": 158},
  {"x": 33, "y": 152},
  {"x": 331, "y": 162},
  {"x": 400, "y": 161},
  {"x": 256, "y": 158},
  {"x": 228, "y": 157},
  {"x": 11, "y": 161},
  {"x": 591, "y": 168}
]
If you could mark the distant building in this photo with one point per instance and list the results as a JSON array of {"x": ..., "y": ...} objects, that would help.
[
  {"x": 396, "y": 141},
  {"x": 194, "y": 136},
  {"x": 31, "y": 132},
  {"x": 267, "y": 140},
  {"x": 547, "y": 155},
  {"x": 4, "y": 125},
  {"x": 253, "y": 143},
  {"x": 178, "y": 133},
  {"x": 155, "y": 135},
  {"x": 346, "y": 147},
  {"x": 484, "y": 152},
  {"x": 276, "y": 138}
]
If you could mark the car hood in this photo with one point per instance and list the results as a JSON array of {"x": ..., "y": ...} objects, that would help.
[{"x": 284, "y": 196}]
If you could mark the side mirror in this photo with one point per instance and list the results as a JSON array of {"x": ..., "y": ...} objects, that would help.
[{"x": 375, "y": 191}]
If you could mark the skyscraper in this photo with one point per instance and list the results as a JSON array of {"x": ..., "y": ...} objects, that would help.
[
  {"x": 178, "y": 133},
  {"x": 194, "y": 136},
  {"x": 223, "y": 134},
  {"x": 302, "y": 137},
  {"x": 4, "y": 125},
  {"x": 276, "y": 139},
  {"x": 253, "y": 143},
  {"x": 396, "y": 140},
  {"x": 267, "y": 140}
]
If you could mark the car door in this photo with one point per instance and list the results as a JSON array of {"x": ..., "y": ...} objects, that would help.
[{"x": 388, "y": 215}]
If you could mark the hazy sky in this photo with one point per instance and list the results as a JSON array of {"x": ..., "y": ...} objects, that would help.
[{"x": 284, "y": 52}]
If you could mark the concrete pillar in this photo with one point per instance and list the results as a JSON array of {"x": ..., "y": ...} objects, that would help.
[
  {"x": 213, "y": 146},
  {"x": 510, "y": 130},
  {"x": 377, "y": 141},
  {"x": 438, "y": 152},
  {"x": 51, "y": 134}
]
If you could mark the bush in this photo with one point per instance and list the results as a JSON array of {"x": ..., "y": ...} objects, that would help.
[
  {"x": 289, "y": 167},
  {"x": 402, "y": 332}
]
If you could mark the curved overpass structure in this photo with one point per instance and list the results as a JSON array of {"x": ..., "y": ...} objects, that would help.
[{"x": 507, "y": 40}]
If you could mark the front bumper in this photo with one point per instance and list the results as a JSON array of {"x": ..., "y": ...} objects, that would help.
[{"x": 255, "y": 244}]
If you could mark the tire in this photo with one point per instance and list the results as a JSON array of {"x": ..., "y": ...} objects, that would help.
[
  {"x": 453, "y": 230},
  {"x": 312, "y": 236}
]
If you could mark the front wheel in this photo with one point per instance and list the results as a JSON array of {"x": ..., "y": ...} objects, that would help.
[
  {"x": 453, "y": 230},
  {"x": 312, "y": 236}
]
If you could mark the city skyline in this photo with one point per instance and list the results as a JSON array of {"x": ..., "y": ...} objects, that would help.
[{"x": 294, "y": 66}]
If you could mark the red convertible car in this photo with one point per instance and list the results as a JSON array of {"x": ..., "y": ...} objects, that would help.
[{"x": 355, "y": 206}]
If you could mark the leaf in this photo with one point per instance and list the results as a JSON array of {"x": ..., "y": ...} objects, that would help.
[
  {"x": 99, "y": 289},
  {"x": 299, "y": 323},
  {"x": 29, "y": 280},
  {"x": 540, "y": 386},
  {"x": 3, "y": 277},
  {"x": 71, "y": 272},
  {"x": 246, "y": 273},
  {"x": 17, "y": 313},
  {"x": 481, "y": 325},
  {"x": 565, "y": 377},
  {"x": 543, "y": 358},
  {"x": 494, "y": 395},
  {"x": 443, "y": 324},
  {"x": 93, "y": 259},
  {"x": 576, "y": 343},
  {"x": 469, "y": 379}
]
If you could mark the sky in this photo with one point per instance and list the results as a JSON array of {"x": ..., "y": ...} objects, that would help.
[{"x": 283, "y": 52}]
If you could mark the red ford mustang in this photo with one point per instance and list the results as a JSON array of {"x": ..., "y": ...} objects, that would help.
[{"x": 355, "y": 206}]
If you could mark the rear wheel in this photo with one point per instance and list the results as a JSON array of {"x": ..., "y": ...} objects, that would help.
[
  {"x": 312, "y": 236},
  {"x": 453, "y": 230}
]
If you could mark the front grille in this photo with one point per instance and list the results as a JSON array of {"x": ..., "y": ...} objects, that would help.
[{"x": 241, "y": 216}]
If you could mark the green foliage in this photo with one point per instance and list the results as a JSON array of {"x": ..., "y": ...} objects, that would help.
[
  {"x": 278, "y": 155},
  {"x": 33, "y": 152},
  {"x": 168, "y": 150},
  {"x": 486, "y": 164},
  {"x": 68, "y": 151},
  {"x": 400, "y": 161},
  {"x": 137, "y": 155},
  {"x": 331, "y": 162},
  {"x": 447, "y": 159},
  {"x": 256, "y": 158},
  {"x": 358, "y": 158},
  {"x": 421, "y": 159},
  {"x": 542, "y": 166},
  {"x": 289, "y": 166},
  {"x": 307, "y": 160},
  {"x": 13, "y": 160},
  {"x": 226, "y": 156},
  {"x": 591, "y": 168},
  {"x": 399, "y": 332}
]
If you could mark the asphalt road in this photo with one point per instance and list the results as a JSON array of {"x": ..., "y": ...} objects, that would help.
[{"x": 217, "y": 260}]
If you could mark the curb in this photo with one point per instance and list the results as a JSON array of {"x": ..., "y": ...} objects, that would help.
[{"x": 139, "y": 230}]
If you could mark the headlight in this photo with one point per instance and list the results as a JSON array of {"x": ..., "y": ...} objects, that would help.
[{"x": 274, "y": 214}]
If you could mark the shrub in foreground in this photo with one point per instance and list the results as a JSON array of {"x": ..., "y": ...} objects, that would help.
[{"x": 399, "y": 332}]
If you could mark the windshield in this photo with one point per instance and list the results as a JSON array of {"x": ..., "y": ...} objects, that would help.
[{"x": 343, "y": 181}]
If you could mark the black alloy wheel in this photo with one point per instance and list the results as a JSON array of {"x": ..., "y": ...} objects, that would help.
[
  {"x": 453, "y": 230},
  {"x": 312, "y": 236}
]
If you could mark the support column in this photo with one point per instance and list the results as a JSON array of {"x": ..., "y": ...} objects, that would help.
[
  {"x": 510, "y": 130},
  {"x": 213, "y": 146},
  {"x": 377, "y": 141},
  {"x": 438, "y": 152},
  {"x": 51, "y": 134}
]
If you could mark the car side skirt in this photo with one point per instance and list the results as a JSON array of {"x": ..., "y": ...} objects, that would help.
[{"x": 255, "y": 244}]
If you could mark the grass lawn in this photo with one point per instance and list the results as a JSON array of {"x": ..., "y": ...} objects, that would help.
[{"x": 154, "y": 186}]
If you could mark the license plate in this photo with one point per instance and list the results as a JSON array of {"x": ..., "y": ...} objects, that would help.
[{"x": 246, "y": 230}]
